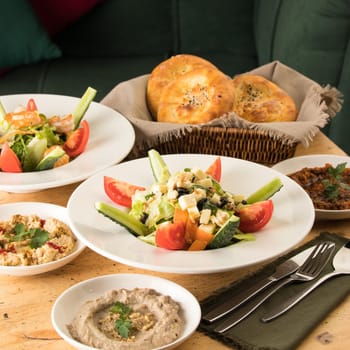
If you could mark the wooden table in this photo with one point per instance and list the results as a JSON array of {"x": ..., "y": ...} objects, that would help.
[{"x": 26, "y": 302}]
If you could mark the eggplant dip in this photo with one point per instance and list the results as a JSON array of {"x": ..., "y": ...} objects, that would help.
[
  {"x": 30, "y": 240},
  {"x": 122, "y": 319}
]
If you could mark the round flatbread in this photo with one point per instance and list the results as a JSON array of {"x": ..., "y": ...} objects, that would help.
[
  {"x": 166, "y": 72},
  {"x": 258, "y": 99},
  {"x": 196, "y": 97}
]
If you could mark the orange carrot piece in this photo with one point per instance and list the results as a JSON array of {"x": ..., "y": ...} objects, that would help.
[
  {"x": 180, "y": 215},
  {"x": 202, "y": 235},
  {"x": 197, "y": 245}
]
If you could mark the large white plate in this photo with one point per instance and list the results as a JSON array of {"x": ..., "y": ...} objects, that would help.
[
  {"x": 111, "y": 139},
  {"x": 68, "y": 303},
  {"x": 292, "y": 219},
  {"x": 44, "y": 210},
  {"x": 318, "y": 160}
]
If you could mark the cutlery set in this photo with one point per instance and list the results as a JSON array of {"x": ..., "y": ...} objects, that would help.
[{"x": 303, "y": 267}]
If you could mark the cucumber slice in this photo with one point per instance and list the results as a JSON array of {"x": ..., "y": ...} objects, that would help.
[
  {"x": 83, "y": 105},
  {"x": 265, "y": 192},
  {"x": 2, "y": 111},
  {"x": 35, "y": 152},
  {"x": 224, "y": 236},
  {"x": 50, "y": 159},
  {"x": 122, "y": 218},
  {"x": 159, "y": 168}
]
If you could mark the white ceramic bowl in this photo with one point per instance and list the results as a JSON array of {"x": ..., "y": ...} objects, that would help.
[
  {"x": 69, "y": 302},
  {"x": 111, "y": 138},
  {"x": 44, "y": 210},
  {"x": 291, "y": 165}
]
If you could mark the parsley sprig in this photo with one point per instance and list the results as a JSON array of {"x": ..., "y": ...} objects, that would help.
[
  {"x": 333, "y": 185},
  {"x": 37, "y": 236},
  {"x": 123, "y": 323}
]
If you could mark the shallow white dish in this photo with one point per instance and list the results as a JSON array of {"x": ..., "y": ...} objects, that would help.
[
  {"x": 44, "y": 210},
  {"x": 294, "y": 164},
  {"x": 69, "y": 302},
  {"x": 292, "y": 219},
  {"x": 111, "y": 139}
]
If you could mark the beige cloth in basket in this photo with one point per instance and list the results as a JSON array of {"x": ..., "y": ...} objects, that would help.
[{"x": 316, "y": 105}]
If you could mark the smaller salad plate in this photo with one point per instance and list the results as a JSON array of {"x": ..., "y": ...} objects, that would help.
[
  {"x": 67, "y": 305},
  {"x": 292, "y": 165},
  {"x": 111, "y": 139},
  {"x": 44, "y": 211}
]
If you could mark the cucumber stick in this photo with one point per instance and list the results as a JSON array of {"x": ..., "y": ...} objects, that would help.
[
  {"x": 159, "y": 168},
  {"x": 265, "y": 192},
  {"x": 83, "y": 105},
  {"x": 2, "y": 112},
  {"x": 122, "y": 218}
]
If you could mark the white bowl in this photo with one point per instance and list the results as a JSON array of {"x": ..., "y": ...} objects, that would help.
[
  {"x": 44, "y": 210},
  {"x": 291, "y": 165},
  {"x": 69, "y": 302},
  {"x": 111, "y": 138}
]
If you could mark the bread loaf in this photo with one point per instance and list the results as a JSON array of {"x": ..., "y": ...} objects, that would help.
[
  {"x": 258, "y": 99},
  {"x": 168, "y": 71}
]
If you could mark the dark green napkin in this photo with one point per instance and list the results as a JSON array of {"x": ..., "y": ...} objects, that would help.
[{"x": 288, "y": 330}]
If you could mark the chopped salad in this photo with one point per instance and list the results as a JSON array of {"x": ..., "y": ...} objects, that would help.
[
  {"x": 188, "y": 210},
  {"x": 32, "y": 141}
]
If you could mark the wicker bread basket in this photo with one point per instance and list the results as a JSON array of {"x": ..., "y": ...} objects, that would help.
[
  {"x": 253, "y": 145},
  {"x": 231, "y": 136}
]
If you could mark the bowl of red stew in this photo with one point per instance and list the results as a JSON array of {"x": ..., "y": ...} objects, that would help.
[{"x": 326, "y": 179}]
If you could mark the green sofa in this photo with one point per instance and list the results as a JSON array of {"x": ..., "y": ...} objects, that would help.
[{"x": 120, "y": 39}]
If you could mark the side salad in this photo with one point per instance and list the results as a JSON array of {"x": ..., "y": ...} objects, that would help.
[
  {"x": 187, "y": 210},
  {"x": 32, "y": 141}
]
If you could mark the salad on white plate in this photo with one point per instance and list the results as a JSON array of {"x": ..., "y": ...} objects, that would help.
[
  {"x": 32, "y": 141},
  {"x": 188, "y": 210}
]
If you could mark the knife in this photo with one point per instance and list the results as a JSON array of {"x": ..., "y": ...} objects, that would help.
[
  {"x": 283, "y": 270},
  {"x": 341, "y": 265}
]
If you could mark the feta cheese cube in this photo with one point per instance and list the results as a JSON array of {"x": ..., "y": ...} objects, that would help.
[
  {"x": 172, "y": 194},
  {"x": 206, "y": 182},
  {"x": 193, "y": 213},
  {"x": 199, "y": 193},
  {"x": 205, "y": 216},
  {"x": 199, "y": 173},
  {"x": 187, "y": 201}
]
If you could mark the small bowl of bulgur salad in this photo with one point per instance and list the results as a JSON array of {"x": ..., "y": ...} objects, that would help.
[
  {"x": 326, "y": 179},
  {"x": 35, "y": 238}
]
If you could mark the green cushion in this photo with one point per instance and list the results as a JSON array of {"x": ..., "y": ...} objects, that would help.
[
  {"x": 309, "y": 36},
  {"x": 71, "y": 76},
  {"x": 224, "y": 27},
  {"x": 22, "y": 39},
  {"x": 120, "y": 28}
]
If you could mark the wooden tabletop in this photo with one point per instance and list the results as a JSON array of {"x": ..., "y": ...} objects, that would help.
[{"x": 26, "y": 302}]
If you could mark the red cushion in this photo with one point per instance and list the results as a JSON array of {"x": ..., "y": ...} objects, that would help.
[{"x": 55, "y": 15}]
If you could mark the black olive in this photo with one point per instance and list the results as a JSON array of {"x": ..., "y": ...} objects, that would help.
[{"x": 182, "y": 191}]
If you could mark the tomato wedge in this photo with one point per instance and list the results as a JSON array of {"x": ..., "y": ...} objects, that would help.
[
  {"x": 77, "y": 140},
  {"x": 31, "y": 105},
  {"x": 214, "y": 169},
  {"x": 171, "y": 236},
  {"x": 120, "y": 192},
  {"x": 255, "y": 216},
  {"x": 9, "y": 161}
]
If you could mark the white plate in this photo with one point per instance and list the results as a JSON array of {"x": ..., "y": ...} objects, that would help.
[
  {"x": 292, "y": 219},
  {"x": 111, "y": 139},
  {"x": 294, "y": 164},
  {"x": 44, "y": 210},
  {"x": 68, "y": 303}
]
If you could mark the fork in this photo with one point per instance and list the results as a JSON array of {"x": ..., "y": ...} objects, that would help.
[
  {"x": 308, "y": 271},
  {"x": 341, "y": 265}
]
